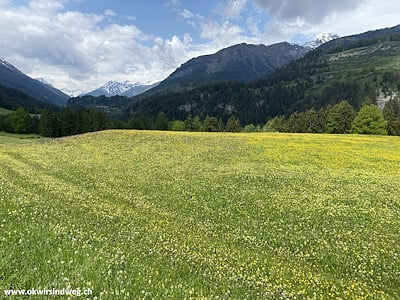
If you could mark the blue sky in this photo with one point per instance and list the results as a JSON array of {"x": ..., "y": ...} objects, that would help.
[{"x": 78, "y": 45}]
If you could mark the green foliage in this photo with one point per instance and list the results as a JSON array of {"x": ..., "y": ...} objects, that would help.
[
  {"x": 340, "y": 118},
  {"x": 18, "y": 122},
  {"x": 277, "y": 124},
  {"x": 233, "y": 125},
  {"x": 391, "y": 113},
  {"x": 193, "y": 124},
  {"x": 161, "y": 122},
  {"x": 49, "y": 125},
  {"x": 5, "y": 112},
  {"x": 13, "y": 99},
  {"x": 249, "y": 128},
  {"x": 178, "y": 125},
  {"x": 369, "y": 120},
  {"x": 211, "y": 124},
  {"x": 196, "y": 125},
  {"x": 309, "y": 121},
  {"x": 140, "y": 123}
]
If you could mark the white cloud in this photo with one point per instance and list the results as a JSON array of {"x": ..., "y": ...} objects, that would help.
[
  {"x": 80, "y": 52},
  {"x": 75, "y": 51},
  {"x": 187, "y": 14},
  {"x": 231, "y": 9},
  {"x": 110, "y": 13},
  {"x": 172, "y": 3},
  {"x": 309, "y": 10},
  {"x": 310, "y": 18}
]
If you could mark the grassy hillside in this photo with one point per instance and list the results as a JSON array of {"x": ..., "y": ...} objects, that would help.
[
  {"x": 13, "y": 139},
  {"x": 178, "y": 215},
  {"x": 5, "y": 112}
]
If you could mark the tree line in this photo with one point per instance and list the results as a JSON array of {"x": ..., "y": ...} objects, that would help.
[
  {"x": 341, "y": 118},
  {"x": 53, "y": 123}
]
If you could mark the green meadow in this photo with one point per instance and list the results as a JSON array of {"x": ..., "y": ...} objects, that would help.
[{"x": 155, "y": 215}]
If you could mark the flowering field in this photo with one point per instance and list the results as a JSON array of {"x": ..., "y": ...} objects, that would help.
[{"x": 133, "y": 214}]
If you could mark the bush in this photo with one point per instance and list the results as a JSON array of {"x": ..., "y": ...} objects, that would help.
[{"x": 369, "y": 120}]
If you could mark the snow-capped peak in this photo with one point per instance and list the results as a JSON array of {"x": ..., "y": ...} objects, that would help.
[
  {"x": 8, "y": 65},
  {"x": 320, "y": 39},
  {"x": 126, "y": 88}
]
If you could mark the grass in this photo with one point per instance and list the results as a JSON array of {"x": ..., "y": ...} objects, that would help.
[
  {"x": 5, "y": 112},
  {"x": 134, "y": 214},
  {"x": 12, "y": 139}
]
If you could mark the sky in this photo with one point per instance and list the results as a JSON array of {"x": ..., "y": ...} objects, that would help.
[{"x": 78, "y": 45}]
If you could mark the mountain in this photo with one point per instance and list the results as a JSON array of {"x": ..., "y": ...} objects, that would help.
[
  {"x": 11, "y": 77},
  {"x": 320, "y": 40},
  {"x": 360, "y": 40},
  {"x": 12, "y": 99},
  {"x": 242, "y": 63},
  {"x": 127, "y": 88},
  {"x": 351, "y": 68}
]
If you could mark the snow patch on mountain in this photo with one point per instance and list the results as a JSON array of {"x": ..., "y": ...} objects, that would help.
[
  {"x": 9, "y": 66},
  {"x": 127, "y": 88},
  {"x": 320, "y": 40}
]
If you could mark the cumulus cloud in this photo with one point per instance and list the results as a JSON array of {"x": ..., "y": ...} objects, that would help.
[
  {"x": 110, "y": 13},
  {"x": 309, "y": 10},
  {"x": 309, "y": 17},
  {"x": 231, "y": 9},
  {"x": 78, "y": 52}
]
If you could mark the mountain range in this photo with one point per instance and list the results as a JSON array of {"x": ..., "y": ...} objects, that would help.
[
  {"x": 13, "y": 78},
  {"x": 242, "y": 62},
  {"x": 127, "y": 89},
  {"x": 253, "y": 82},
  {"x": 351, "y": 68}
]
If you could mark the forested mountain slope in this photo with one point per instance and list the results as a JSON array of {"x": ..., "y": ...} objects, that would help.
[{"x": 369, "y": 66}]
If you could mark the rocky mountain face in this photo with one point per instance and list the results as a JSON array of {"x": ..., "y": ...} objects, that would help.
[
  {"x": 242, "y": 63},
  {"x": 11, "y": 77}
]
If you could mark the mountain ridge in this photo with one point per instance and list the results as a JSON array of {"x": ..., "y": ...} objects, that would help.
[
  {"x": 12, "y": 77},
  {"x": 115, "y": 88},
  {"x": 241, "y": 62},
  {"x": 367, "y": 66}
]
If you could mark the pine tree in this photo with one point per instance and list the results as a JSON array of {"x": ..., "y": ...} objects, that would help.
[
  {"x": 189, "y": 123},
  {"x": 197, "y": 124},
  {"x": 340, "y": 118},
  {"x": 211, "y": 124},
  {"x": 161, "y": 122},
  {"x": 233, "y": 125},
  {"x": 277, "y": 124},
  {"x": 391, "y": 113},
  {"x": 19, "y": 121},
  {"x": 49, "y": 124}
]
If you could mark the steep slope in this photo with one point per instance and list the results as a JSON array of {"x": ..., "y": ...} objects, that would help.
[
  {"x": 323, "y": 77},
  {"x": 11, "y": 77},
  {"x": 242, "y": 63},
  {"x": 114, "y": 88},
  {"x": 360, "y": 40},
  {"x": 12, "y": 99}
]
